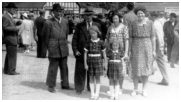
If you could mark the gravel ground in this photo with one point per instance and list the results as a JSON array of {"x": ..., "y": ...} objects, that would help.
[{"x": 30, "y": 84}]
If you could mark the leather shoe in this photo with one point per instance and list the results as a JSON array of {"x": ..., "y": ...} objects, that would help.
[
  {"x": 51, "y": 89},
  {"x": 161, "y": 83},
  {"x": 13, "y": 73},
  {"x": 67, "y": 88},
  {"x": 78, "y": 92}
]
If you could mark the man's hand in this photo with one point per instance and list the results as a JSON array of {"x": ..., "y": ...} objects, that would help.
[{"x": 77, "y": 53}]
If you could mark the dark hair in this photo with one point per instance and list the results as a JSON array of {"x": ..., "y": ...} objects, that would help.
[
  {"x": 154, "y": 14},
  {"x": 130, "y": 6},
  {"x": 173, "y": 15},
  {"x": 116, "y": 12},
  {"x": 140, "y": 8}
]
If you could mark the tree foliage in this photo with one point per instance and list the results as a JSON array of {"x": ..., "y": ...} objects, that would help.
[{"x": 105, "y": 5}]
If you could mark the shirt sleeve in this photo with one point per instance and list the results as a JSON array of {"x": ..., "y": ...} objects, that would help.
[
  {"x": 86, "y": 47},
  {"x": 152, "y": 30},
  {"x": 131, "y": 30},
  {"x": 126, "y": 34}
]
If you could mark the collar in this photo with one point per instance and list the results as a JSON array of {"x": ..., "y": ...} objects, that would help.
[
  {"x": 95, "y": 40},
  {"x": 59, "y": 21},
  {"x": 9, "y": 14},
  {"x": 89, "y": 22},
  {"x": 115, "y": 51}
]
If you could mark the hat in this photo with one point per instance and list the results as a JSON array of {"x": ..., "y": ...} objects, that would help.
[
  {"x": 11, "y": 5},
  {"x": 25, "y": 15},
  {"x": 89, "y": 10},
  {"x": 173, "y": 15},
  {"x": 57, "y": 7},
  {"x": 140, "y": 8},
  {"x": 41, "y": 12},
  {"x": 101, "y": 15}
]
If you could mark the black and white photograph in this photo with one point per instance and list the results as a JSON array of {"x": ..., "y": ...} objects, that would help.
[{"x": 67, "y": 50}]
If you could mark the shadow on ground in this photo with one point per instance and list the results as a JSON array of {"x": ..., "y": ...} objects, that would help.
[{"x": 35, "y": 85}]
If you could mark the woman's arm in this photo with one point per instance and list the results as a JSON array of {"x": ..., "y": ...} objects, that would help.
[{"x": 105, "y": 59}]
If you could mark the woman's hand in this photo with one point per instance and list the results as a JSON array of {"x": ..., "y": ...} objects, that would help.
[{"x": 154, "y": 54}]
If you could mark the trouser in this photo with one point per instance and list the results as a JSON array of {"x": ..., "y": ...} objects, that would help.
[
  {"x": 39, "y": 48},
  {"x": 54, "y": 63},
  {"x": 169, "y": 49},
  {"x": 175, "y": 51},
  {"x": 161, "y": 64},
  {"x": 80, "y": 76},
  {"x": 11, "y": 58}
]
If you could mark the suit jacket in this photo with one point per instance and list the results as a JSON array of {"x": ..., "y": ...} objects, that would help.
[
  {"x": 55, "y": 38},
  {"x": 80, "y": 37},
  {"x": 39, "y": 22},
  {"x": 9, "y": 30},
  {"x": 168, "y": 29}
]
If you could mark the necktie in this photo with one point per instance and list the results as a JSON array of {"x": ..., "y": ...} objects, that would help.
[{"x": 88, "y": 25}]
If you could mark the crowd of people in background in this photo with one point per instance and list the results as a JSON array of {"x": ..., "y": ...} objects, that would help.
[{"x": 131, "y": 41}]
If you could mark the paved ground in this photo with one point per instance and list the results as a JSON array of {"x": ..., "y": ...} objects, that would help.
[{"x": 30, "y": 84}]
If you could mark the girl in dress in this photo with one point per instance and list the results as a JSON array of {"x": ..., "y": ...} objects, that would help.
[
  {"x": 93, "y": 61},
  {"x": 116, "y": 68}
]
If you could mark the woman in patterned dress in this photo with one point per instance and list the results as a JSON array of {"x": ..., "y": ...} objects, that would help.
[
  {"x": 120, "y": 32},
  {"x": 93, "y": 60},
  {"x": 142, "y": 49}
]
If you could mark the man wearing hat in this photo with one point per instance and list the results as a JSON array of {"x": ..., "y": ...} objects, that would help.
[
  {"x": 80, "y": 37},
  {"x": 39, "y": 23},
  {"x": 55, "y": 32},
  {"x": 10, "y": 31},
  {"x": 168, "y": 29}
]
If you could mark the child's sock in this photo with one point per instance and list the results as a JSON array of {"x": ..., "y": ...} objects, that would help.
[
  {"x": 97, "y": 89},
  {"x": 111, "y": 91},
  {"x": 116, "y": 90},
  {"x": 92, "y": 89}
]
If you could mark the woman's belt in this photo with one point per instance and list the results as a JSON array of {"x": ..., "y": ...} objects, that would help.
[{"x": 94, "y": 55}]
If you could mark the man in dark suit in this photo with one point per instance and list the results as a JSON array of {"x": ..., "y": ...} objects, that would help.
[
  {"x": 10, "y": 31},
  {"x": 55, "y": 32},
  {"x": 39, "y": 22},
  {"x": 102, "y": 23},
  {"x": 80, "y": 37}
]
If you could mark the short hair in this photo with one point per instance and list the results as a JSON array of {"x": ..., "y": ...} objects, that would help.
[
  {"x": 140, "y": 8},
  {"x": 95, "y": 29},
  {"x": 116, "y": 12},
  {"x": 130, "y": 6},
  {"x": 41, "y": 12}
]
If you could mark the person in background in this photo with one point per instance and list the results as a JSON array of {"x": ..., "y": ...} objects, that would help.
[
  {"x": 175, "y": 48},
  {"x": 39, "y": 23},
  {"x": 10, "y": 31},
  {"x": 169, "y": 35},
  {"x": 80, "y": 37},
  {"x": 142, "y": 50},
  {"x": 55, "y": 32},
  {"x": 160, "y": 48},
  {"x": 100, "y": 20},
  {"x": 26, "y": 32}
]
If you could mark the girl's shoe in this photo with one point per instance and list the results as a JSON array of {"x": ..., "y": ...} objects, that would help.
[
  {"x": 120, "y": 92},
  {"x": 91, "y": 98},
  {"x": 112, "y": 98},
  {"x": 96, "y": 98},
  {"x": 116, "y": 97},
  {"x": 134, "y": 93},
  {"x": 144, "y": 93}
]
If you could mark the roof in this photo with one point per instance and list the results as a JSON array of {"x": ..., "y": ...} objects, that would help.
[{"x": 26, "y": 4}]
